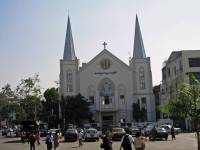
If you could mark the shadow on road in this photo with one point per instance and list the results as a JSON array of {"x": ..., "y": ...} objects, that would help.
[
  {"x": 13, "y": 141},
  {"x": 75, "y": 147}
]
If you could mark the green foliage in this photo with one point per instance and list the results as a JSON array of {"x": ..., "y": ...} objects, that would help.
[
  {"x": 187, "y": 102},
  {"x": 24, "y": 101},
  {"x": 136, "y": 111},
  {"x": 75, "y": 109},
  {"x": 50, "y": 111},
  {"x": 29, "y": 94},
  {"x": 139, "y": 114}
]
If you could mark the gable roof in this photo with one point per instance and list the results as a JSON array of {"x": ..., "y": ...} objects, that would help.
[{"x": 109, "y": 54}]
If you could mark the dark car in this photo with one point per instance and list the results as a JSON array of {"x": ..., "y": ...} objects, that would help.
[
  {"x": 132, "y": 130},
  {"x": 160, "y": 133},
  {"x": 4, "y": 130},
  {"x": 117, "y": 133},
  {"x": 71, "y": 135}
]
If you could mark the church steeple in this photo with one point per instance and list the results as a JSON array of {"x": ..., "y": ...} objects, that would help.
[
  {"x": 69, "y": 52},
  {"x": 138, "y": 50}
]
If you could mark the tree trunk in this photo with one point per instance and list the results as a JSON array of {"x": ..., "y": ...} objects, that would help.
[{"x": 198, "y": 140}]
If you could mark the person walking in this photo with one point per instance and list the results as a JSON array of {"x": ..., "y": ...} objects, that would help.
[
  {"x": 139, "y": 141},
  {"x": 107, "y": 143},
  {"x": 173, "y": 133},
  {"x": 80, "y": 139},
  {"x": 32, "y": 141},
  {"x": 56, "y": 141},
  {"x": 37, "y": 137},
  {"x": 49, "y": 141},
  {"x": 126, "y": 142}
]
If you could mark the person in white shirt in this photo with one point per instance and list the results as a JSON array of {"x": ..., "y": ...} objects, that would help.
[
  {"x": 80, "y": 139},
  {"x": 126, "y": 142},
  {"x": 139, "y": 141}
]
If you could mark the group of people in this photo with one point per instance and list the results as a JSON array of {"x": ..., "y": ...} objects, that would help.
[
  {"x": 126, "y": 142},
  {"x": 52, "y": 141}
]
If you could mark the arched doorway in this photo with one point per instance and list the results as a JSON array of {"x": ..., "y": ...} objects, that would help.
[{"x": 107, "y": 102}]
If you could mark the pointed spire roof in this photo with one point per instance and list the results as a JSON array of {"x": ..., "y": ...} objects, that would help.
[
  {"x": 69, "y": 52},
  {"x": 138, "y": 50}
]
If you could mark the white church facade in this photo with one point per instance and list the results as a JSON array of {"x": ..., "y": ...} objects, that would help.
[{"x": 110, "y": 85}]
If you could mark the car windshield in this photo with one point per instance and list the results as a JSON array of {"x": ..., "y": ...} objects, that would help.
[
  {"x": 71, "y": 130},
  {"x": 54, "y": 130},
  {"x": 118, "y": 130},
  {"x": 160, "y": 129},
  {"x": 134, "y": 128},
  {"x": 91, "y": 131},
  {"x": 165, "y": 126}
]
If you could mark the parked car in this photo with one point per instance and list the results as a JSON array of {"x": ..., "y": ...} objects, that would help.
[
  {"x": 91, "y": 134},
  {"x": 54, "y": 131},
  {"x": 27, "y": 127},
  {"x": 117, "y": 133},
  {"x": 161, "y": 133},
  {"x": 147, "y": 130},
  {"x": 43, "y": 127},
  {"x": 17, "y": 132},
  {"x": 132, "y": 130},
  {"x": 10, "y": 132},
  {"x": 4, "y": 130},
  {"x": 168, "y": 129},
  {"x": 71, "y": 135}
]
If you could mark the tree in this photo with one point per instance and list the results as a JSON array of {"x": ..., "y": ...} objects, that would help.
[
  {"x": 136, "y": 111},
  {"x": 50, "y": 111},
  {"x": 187, "y": 104},
  {"x": 75, "y": 109},
  {"x": 9, "y": 106},
  {"x": 29, "y": 94},
  {"x": 139, "y": 114}
]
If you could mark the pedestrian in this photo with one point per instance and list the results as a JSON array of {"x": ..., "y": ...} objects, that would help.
[
  {"x": 49, "y": 141},
  {"x": 32, "y": 141},
  {"x": 173, "y": 133},
  {"x": 56, "y": 141},
  {"x": 153, "y": 133},
  {"x": 106, "y": 143},
  {"x": 80, "y": 139},
  {"x": 37, "y": 136},
  {"x": 126, "y": 142},
  {"x": 139, "y": 141}
]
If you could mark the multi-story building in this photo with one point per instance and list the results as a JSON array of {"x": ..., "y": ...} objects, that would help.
[
  {"x": 176, "y": 70},
  {"x": 156, "y": 92},
  {"x": 110, "y": 85}
]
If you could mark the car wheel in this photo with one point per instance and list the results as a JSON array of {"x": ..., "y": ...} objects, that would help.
[{"x": 166, "y": 138}]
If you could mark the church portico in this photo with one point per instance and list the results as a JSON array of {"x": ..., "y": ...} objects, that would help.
[{"x": 107, "y": 118}]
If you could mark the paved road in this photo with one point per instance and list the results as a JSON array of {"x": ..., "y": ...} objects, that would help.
[{"x": 184, "y": 141}]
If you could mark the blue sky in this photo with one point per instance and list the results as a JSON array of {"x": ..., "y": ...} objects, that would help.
[{"x": 32, "y": 33}]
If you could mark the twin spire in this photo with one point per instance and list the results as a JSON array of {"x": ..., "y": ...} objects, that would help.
[
  {"x": 138, "y": 49},
  {"x": 69, "y": 52}
]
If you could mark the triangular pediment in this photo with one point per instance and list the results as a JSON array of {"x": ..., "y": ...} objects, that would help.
[{"x": 104, "y": 54}]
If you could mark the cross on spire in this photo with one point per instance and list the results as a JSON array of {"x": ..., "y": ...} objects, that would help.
[{"x": 104, "y": 45}]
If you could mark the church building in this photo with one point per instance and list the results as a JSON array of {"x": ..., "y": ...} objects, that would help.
[{"x": 110, "y": 85}]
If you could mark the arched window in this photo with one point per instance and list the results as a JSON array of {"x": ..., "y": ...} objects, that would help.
[
  {"x": 142, "y": 78},
  {"x": 69, "y": 76},
  {"x": 121, "y": 92},
  {"x": 91, "y": 94},
  {"x": 106, "y": 91},
  {"x": 69, "y": 81}
]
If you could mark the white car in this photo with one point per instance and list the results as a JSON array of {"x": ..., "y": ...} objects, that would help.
[
  {"x": 168, "y": 127},
  {"x": 54, "y": 131},
  {"x": 91, "y": 134}
]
